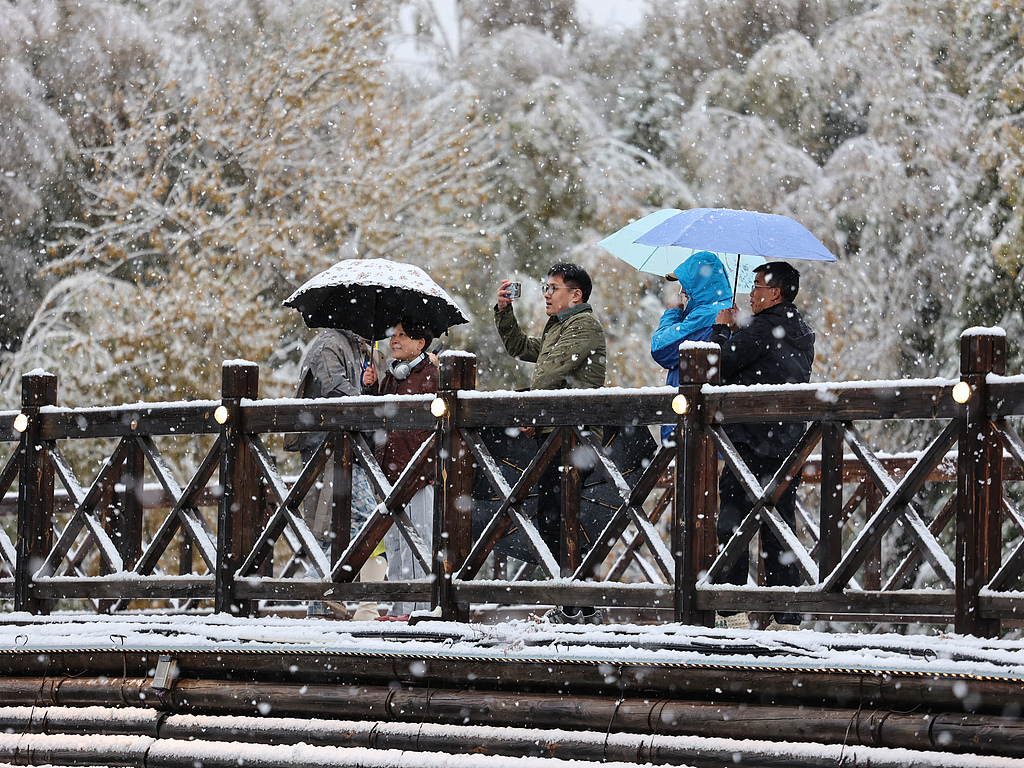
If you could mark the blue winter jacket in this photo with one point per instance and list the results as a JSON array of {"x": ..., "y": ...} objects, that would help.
[{"x": 704, "y": 281}]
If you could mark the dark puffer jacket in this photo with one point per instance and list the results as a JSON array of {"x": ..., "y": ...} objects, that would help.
[{"x": 775, "y": 347}]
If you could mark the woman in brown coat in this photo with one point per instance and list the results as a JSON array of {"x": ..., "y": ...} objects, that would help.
[{"x": 411, "y": 372}]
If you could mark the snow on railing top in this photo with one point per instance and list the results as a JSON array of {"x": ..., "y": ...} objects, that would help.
[
  {"x": 825, "y": 387},
  {"x": 982, "y": 331},
  {"x": 708, "y": 345},
  {"x": 583, "y": 393},
  {"x": 162, "y": 405},
  {"x": 996, "y": 378}
]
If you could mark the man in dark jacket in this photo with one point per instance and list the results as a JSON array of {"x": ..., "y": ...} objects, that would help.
[{"x": 774, "y": 347}]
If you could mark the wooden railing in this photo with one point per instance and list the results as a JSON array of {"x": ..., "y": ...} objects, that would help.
[{"x": 886, "y": 532}]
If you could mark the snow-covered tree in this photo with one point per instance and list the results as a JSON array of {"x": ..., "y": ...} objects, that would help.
[
  {"x": 886, "y": 191},
  {"x": 563, "y": 181},
  {"x": 207, "y": 158},
  {"x": 59, "y": 64},
  {"x": 986, "y": 214},
  {"x": 208, "y": 208},
  {"x": 556, "y": 18}
]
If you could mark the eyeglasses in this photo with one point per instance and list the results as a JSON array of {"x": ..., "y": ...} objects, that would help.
[
  {"x": 760, "y": 285},
  {"x": 550, "y": 289}
]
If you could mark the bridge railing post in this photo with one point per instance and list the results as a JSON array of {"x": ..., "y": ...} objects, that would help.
[
  {"x": 35, "y": 491},
  {"x": 453, "y": 487},
  {"x": 830, "y": 542},
  {"x": 979, "y": 483},
  {"x": 694, "y": 542},
  {"x": 241, "y": 500}
]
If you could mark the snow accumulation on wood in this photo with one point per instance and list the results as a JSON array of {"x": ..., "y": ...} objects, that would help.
[{"x": 524, "y": 639}]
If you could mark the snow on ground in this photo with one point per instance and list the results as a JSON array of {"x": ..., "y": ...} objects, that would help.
[
  {"x": 525, "y": 640},
  {"x": 515, "y": 640}
]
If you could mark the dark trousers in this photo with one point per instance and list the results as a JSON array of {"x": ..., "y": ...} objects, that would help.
[
  {"x": 549, "y": 508},
  {"x": 733, "y": 505},
  {"x": 549, "y": 514}
]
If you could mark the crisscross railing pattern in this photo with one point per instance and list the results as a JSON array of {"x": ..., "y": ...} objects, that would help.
[
  {"x": 930, "y": 573},
  {"x": 881, "y": 536}
]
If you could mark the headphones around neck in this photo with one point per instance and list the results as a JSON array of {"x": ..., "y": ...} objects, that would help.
[{"x": 401, "y": 369}]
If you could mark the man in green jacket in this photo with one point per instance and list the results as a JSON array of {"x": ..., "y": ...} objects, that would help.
[{"x": 570, "y": 354}]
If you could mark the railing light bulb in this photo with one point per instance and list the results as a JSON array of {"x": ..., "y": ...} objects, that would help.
[
  {"x": 221, "y": 415},
  {"x": 20, "y": 422},
  {"x": 962, "y": 392},
  {"x": 438, "y": 407},
  {"x": 680, "y": 404}
]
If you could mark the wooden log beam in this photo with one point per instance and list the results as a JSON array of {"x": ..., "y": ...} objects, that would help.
[
  {"x": 340, "y": 414},
  {"x": 549, "y": 408},
  {"x": 136, "y": 739},
  {"x": 902, "y": 605},
  {"x": 874, "y": 727},
  {"x": 694, "y": 538},
  {"x": 849, "y": 401},
  {"x": 453, "y": 502},
  {"x": 187, "y": 418}
]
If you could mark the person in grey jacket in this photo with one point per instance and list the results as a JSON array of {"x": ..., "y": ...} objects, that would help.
[
  {"x": 333, "y": 367},
  {"x": 775, "y": 347}
]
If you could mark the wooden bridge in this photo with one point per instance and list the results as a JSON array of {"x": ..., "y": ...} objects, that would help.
[
  {"x": 221, "y": 691},
  {"x": 931, "y": 532},
  {"x": 909, "y": 512}
]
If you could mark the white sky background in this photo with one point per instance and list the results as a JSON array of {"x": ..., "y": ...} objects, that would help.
[{"x": 612, "y": 14}]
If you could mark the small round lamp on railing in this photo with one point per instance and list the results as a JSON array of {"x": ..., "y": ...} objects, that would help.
[
  {"x": 962, "y": 392},
  {"x": 20, "y": 422},
  {"x": 438, "y": 407},
  {"x": 680, "y": 404},
  {"x": 221, "y": 415}
]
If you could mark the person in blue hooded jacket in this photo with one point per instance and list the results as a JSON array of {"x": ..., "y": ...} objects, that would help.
[{"x": 703, "y": 292}]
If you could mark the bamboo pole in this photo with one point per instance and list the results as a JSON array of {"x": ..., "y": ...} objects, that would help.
[
  {"x": 517, "y": 742},
  {"x": 727, "y": 684},
  {"x": 942, "y": 732}
]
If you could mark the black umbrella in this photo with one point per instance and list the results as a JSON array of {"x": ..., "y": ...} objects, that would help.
[
  {"x": 629, "y": 448},
  {"x": 370, "y": 296}
]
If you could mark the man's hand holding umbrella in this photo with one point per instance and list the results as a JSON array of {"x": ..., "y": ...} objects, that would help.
[{"x": 727, "y": 317}]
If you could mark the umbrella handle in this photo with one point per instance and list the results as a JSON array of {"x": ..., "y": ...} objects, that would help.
[
  {"x": 736, "y": 280},
  {"x": 366, "y": 363}
]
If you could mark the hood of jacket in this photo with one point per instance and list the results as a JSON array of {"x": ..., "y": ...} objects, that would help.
[{"x": 703, "y": 280}]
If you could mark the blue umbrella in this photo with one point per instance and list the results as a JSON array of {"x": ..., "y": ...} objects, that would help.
[
  {"x": 724, "y": 230},
  {"x": 662, "y": 259}
]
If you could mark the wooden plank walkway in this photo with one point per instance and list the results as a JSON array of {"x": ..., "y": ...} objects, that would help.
[{"x": 935, "y": 694}]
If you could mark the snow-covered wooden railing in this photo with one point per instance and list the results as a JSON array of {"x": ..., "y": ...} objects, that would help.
[
  {"x": 872, "y": 550},
  {"x": 970, "y": 587}
]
